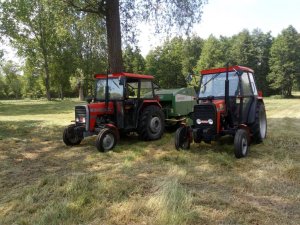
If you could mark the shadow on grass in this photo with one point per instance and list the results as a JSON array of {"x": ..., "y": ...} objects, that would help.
[
  {"x": 28, "y": 129},
  {"x": 36, "y": 108}
]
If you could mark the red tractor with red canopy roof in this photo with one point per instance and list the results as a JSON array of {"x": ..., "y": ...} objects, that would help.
[
  {"x": 228, "y": 104},
  {"x": 123, "y": 102}
]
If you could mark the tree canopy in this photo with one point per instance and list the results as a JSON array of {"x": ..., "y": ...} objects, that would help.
[
  {"x": 167, "y": 16},
  {"x": 64, "y": 43},
  {"x": 285, "y": 61}
]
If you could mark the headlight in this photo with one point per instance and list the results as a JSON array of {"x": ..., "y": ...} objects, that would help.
[
  {"x": 80, "y": 119},
  {"x": 198, "y": 121},
  {"x": 210, "y": 121}
]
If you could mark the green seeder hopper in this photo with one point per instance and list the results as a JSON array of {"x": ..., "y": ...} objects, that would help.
[{"x": 177, "y": 104}]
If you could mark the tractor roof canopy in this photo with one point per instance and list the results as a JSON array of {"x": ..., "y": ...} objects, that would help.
[
  {"x": 129, "y": 75},
  {"x": 224, "y": 69}
]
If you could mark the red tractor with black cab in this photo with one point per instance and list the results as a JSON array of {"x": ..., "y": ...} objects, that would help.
[
  {"x": 228, "y": 104},
  {"x": 123, "y": 103}
]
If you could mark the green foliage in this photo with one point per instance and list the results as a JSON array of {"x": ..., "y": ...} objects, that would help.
[
  {"x": 29, "y": 25},
  {"x": 211, "y": 55},
  {"x": 165, "y": 64},
  {"x": 285, "y": 61},
  {"x": 262, "y": 43},
  {"x": 133, "y": 61},
  {"x": 3, "y": 87},
  {"x": 64, "y": 47},
  {"x": 192, "y": 48},
  {"x": 11, "y": 83},
  {"x": 89, "y": 50}
]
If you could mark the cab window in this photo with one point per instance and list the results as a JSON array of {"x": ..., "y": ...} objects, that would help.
[
  {"x": 246, "y": 84},
  {"x": 252, "y": 84},
  {"x": 146, "y": 89}
]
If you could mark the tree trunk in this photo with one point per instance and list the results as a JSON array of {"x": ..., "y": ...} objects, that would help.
[
  {"x": 47, "y": 82},
  {"x": 61, "y": 92},
  {"x": 81, "y": 95},
  {"x": 114, "y": 36}
]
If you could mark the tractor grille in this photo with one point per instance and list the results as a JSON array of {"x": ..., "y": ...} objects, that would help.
[
  {"x": 205, "y": 112},
  {"x": 80, "y": 114}
]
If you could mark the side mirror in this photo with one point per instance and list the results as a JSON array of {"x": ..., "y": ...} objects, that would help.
[
  {"x": 89, "y": 99},
  {"x": 155, "y": 86},
  {"x": 121, "y": 80}
]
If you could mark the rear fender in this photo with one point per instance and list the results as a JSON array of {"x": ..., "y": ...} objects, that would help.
[
  {"x": 247, "y": 129},
  {"x": 144, "y": 104},
  {"x": 252, "y": 110},
  {"x": 150, "y": 102}
]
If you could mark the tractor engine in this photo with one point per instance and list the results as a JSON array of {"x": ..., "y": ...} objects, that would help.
[
  {"x": 81, "y": 115},
  {"x": 81, "y": 120},
  {"x": 204, "y": 122}
]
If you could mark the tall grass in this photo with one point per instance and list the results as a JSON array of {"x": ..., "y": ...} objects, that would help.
[{"x": 42, "y": 181}]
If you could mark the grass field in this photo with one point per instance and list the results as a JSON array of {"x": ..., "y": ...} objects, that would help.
[{"x": 42, "y": 181}]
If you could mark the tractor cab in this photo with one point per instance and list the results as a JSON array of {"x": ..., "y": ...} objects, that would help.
[
  {"x": 129, "y": 93},
  {"x": 228, "y": 104},
  {"x": 241, "y": 95}
]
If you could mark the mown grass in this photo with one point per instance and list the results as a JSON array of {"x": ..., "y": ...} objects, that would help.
[{"x": 42, "y": 181}]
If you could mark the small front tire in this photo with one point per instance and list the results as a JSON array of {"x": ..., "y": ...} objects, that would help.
[
  {"x": 241, "y": 143},
  {"x": 182, "y": 140},
  {"x": 106, "y": 140},
  {"x": 71, "y": 137}
]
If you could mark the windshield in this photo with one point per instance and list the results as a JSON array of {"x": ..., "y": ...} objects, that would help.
[
  {"x": 115, "y": 89},
  {"x": 214, "y": 85}
]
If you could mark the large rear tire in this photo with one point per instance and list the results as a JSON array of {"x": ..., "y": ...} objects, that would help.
[
  {"x": 151, "y": 123},
  {"x": 71, "y": 137},
  {"x": 259, "y": 128},
  {"x": 106, "y": 140},
  {"x": 241, "y": 144},
  {"x": 181, "y": 138}
]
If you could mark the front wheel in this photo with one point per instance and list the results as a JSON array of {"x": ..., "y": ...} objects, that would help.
[
  {"x": 106, "y": 140},
  {"x": 241, "y": 144},
  {"x": 182, "y": 140},
  {"x": 71, "y": 136}
]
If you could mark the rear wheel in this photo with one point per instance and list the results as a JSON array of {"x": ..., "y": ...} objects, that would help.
[
  {"x": 106, "y": 140},
  {"x": 151, "y": 123},
  {"x": 259, "y": 128},
  {"x": 70, "y": 136},
  {"x": 181, "y": 138},
  {"x": 241, "y": 145}
]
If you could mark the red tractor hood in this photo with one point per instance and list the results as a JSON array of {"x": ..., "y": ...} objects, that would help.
[
  {"x": 220, "y": 105},
  {"x": 98, "y": 109}
]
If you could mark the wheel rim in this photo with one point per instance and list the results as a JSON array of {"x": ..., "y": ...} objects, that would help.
[
  {"x": 262, "y": 123},
  {"x": 108, "y": 141},
  {"x": 244, "y": 146},
  {"x": 155, "y": 125}
]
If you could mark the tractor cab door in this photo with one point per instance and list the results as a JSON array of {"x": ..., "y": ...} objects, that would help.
[
  {"x": 247, "y": 96},
  {"x": 131, "y": 103},
  {"x": 137, "y": 91}
]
